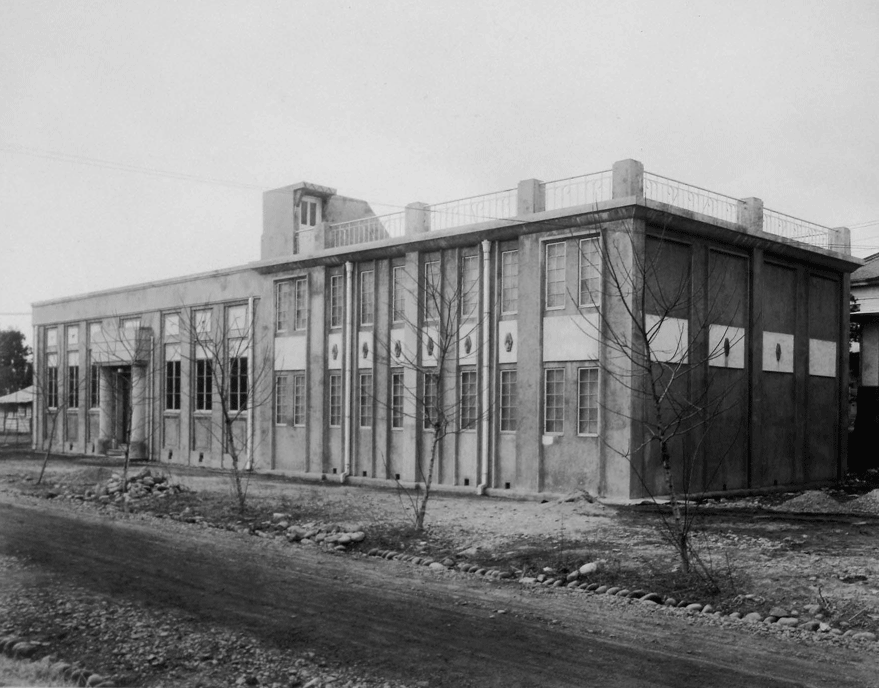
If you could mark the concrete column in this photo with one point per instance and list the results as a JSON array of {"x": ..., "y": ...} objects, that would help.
[
  {"x": 417, "y": 218},
  {"x": 628, "y": 179},
  {"x": 843, "y": 367},
  {"x": 839, "y": 239},
  {"x": 531, "y": 197},
  {"x": 750, "y": 214},
  {"x": 139, "y": 401},
  {"x": 107, "y": 407}
]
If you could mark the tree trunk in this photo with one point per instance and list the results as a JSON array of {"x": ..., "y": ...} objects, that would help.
[
  {"x": 681, "y": 539},
  {"x": 48, "y": 447},
  {"x": 428, "y": 479},
  {"x": 236, "y": 475}
]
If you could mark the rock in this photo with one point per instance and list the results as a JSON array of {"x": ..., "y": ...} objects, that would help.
[
  {"x": 779, "y": 612},
  {"x": 94, "y": 680},
  {"x": 591, "y": 567},
  {"x": 770, "y": 619},
  {"x": 24, "y": 650},
  {"x": 436, "y": 566},
  {"x": 753, "y": 617},
  {"x": 448, "y": 562},
  {"x": 573, "y": 584},
  {"x": 735, "y": 615},
  {"x": 707, "y": 609},
  {"x": 344, "y": 539},
  {"x": 358, "y": 536},
  {"x": 651, "y": 597},
  {"x": 637, "y": 593},
  {"x": 824, "y": 627},
  {"x": 671, "y": 602},
  {"x": 811, "y": 625},
  {"x": 558, "y": 583},
  {"x": 789, "y": 621},
  {"x": 527, "y": 580},
  {"x": 572, "y": 576},
  {"x": 694, "y": 607},
  {"x": 621, "y": 593},
  {"x": 601, "y": 589},
  {"x": 611, "y": 591},
  {"x": 864, "y": 635}
]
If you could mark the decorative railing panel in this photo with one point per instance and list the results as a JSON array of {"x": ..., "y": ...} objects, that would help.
[
  {"x": 575, "y": 191},
  {"x": 689, "y": 197},
  {"x": 366, "y": 229},
  {"x": 500, "y": 205},
  {"x": 795, "y": 228}
]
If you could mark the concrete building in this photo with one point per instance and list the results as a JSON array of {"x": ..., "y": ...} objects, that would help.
[
  {"x": 569, "y": 287},
  {"x": 865, "y": 289}
]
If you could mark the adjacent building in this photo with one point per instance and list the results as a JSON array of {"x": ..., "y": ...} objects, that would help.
[{"x": 560, "y": 299}]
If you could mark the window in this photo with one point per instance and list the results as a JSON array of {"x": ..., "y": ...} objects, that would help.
[
  {"x": 469, "y": 286},
  {"x": 73, "y": 380},
  {"x": 468, "y": 400},
  {"x": 171, "y": 326},
  {"x": 337, "y": 288},
  {"x": 555, "y": 275},
  {"x": 130, "y": 324},
  {"x": 590, "y": 272},
  {"x": 587, "y": 401},
  {"x": 172, "y": 377},
  {"x": 554, "y": 401},
  {"x": 397, "y": 400},
  {"x": 432, "y": 290},
  {"x": 95, "y": 331},
  {"x": 72, "y": 336},
  {"x": 367, "y": 297},
  {"x": 399, "y": 295},
  {"x": 308, "y": 213},
  {"x": 365, "y": 400},
  {"x": 236, "y": 319},
  {"x": 282, "y": 399},
  {"x": 508, "y": 400},
  {"x": 430, "y": 400},
  {"x": 509, "y": 281},
  {"x": 283, "y": 296},
  {"x": 237, "y": 383},
  {"x": 204, "y": 384},
  {"x": 94, "y": 386},
  {"x": 335, "y": 400},
  {"x": 202, "y": 321},
  {"x": 52, "y": 337},
  {"x": 52, "y": 381},
  {"x": 300, "y": 303},
  {"x": 299, "y": 399}
]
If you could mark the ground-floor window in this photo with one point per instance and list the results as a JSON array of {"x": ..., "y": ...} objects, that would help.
[
  {"x": 52, "y": 381},
  {"x": 204, "y": 385},
  {"x": 335, "y": 400},
  {"x": 587, "y": 401},
  {"x": 282, "y": 399},
  {"x": 429, "y": 400},
  {"x": 238, "y": 383},
  {"x": 299, "y": 399},
  {"x": 365, "y": 400},
  {"x": 397, "y": 399},
  {"x": 469, "y": 409},
  {"x": 72, "y": 380},
  {"x": 508, "y": 400},
  {"x": 554, "y": 401}
]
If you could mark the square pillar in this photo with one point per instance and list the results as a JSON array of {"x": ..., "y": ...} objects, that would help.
[
  {"x": 139, "y": 400},
  {"x": 417, "y": 218},
  {"x": 530, "y": 197},
  {"x": 750, "y": 215},
  {"x": 106, "y": 410},
  {"x": 839, "y": 239},
  {"x": 628, "y": 179}
]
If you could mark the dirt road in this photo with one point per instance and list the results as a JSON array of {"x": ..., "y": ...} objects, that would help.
[{"x": 405, "y": 622}]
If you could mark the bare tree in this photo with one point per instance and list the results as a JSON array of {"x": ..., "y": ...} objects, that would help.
[
  {"x": 668, "y": 330},
  {"x": 442, "y": 332}
]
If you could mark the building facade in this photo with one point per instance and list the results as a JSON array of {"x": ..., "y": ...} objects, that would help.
[{"x": 538, "y": 319}]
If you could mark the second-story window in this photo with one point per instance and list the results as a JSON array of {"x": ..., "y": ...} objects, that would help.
[
  {"x": 308, "y": 212},
  {"x": 469, "y": 286},
  {"x": 337, "y": 294},
  {"x": 432, "y": 295},
  {"x": 172, "y": 377},
  {"x": 300, "y": 303},
  {"x": 399, "y": 294},
  {"x": 510, "y": 281},
  {"x": 367, "y": 297},
  {"x": 590, "y": 272},
  {"x": 73, "y": 380},
  {"x": 283, "y": 298},
  {"x": 555, "y": 275}
]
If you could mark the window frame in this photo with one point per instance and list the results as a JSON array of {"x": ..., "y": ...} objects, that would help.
[
  {"x": 398, "y": 295},
  {"x": 94, "y": 386},
  {"x": 365, "y": 405},
  {"x": 337, "y": 301},
  {"x": 508, "y": 290},
  {"x": 334, "y": 392},
  {"x": 204, "y": 385},
  {"x": 72, "y": 380},
  {"x": 469, "y": 286},
  {"x": 581, "y": 408},
  {"x": 469, "y": 399},
  {"x": 397, "y": 396},
  {"x": 298, "y": 408},
  {"x": 551, "y": 297},
  {"x": 300, "y": 304},
  {"x": 593, "y": 299},
  {"x": 556, "y": 418},
  {"x": 431, "y": 289},
  {"x": 239, "y": 380},
  {"x": 309, "y": 212},
  {"x": 283, "y": 299},
  {"x": 507, "y": 392},
  {"x": 429, "y": 398},
  {"x": 367, "y": 298},
  {"x": 52, "y": 381},
  {"x": 172, "y": 379},
  {"x": 282, "y": 410}
]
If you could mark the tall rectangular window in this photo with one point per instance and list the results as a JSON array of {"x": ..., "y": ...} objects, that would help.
[
  {"x": 300, "y": 303},
  {"x": 397, "y": 400},
  {"x": 510, "y": 281},
  {"x": 204, "y": 385},
  {"x": 237, "y": 383},
  {"x": 73, "y": 380},
  {"x": 72, "y": 336},
  {"x": 335, "y": 400},
  {"x": 282, "y": 399},
  {"x": 308, "y": 213},
  {"x": 172, "y": 377},
  {"x": 508, "y": 400},
  {"x": 555, "y": 275},
  {"x": 283, "y": 298},
  {"x": 399, "y": 294},
  {"x": 590, "y": 272},
  {"x": 468, "y": 400},
  {"x": 432, "y": 290},
  {"x": 202, "y": 325},
  {"x": 587, "y": 401},
  {"x": 554, "y": 401},
  {"x": 236, "y": 320},
  {"x": 429, "y": 401},
  {"x": 365, "y": 400},
  {"x": 52, "y": 381},
  {"x": 469, "y": 286},
  {"x": 337, "y": 289},
  {"x": 299, "y": 399},
  {"x": 94, "y": 386},
  {"x": 367, "y": 297},
  {"x": 51, "y": 337},
  {"x": 171, "y": 326}
]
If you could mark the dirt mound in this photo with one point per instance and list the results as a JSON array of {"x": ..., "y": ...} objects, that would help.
[
  {"x": 813, "y": 501},
  {"x": 868, "y": 502}
]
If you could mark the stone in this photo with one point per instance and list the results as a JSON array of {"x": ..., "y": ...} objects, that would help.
[
  {"x": 94, "y": 680},
  {"x": 558, "y": 583},
  {"x": 448, "y": 562},
  {"x": 671, "y": 602},
  {"x": 651, "y": 597},
  {"x": 24, "y": 650},
  {"x": 621, "y": 593},
  {"x": 694, "y": 607},
  {"x": 586, "y": 569},
  {"x": 601, "y": 589},
  {"x": 753, "y": 617},
  {"x": 611, "y": 591},
  {"x": 810, "y": 625},
  {"x": 638, "y": 594},
  {"x": 779, "y": 612},
  {"x": 789, "y": 621},
  {"x": 572, "y": 576},
  {"x": 735, "y": 615},
  {"x": 770, "y": 619},
  {"x": 592, "y": 587},
  {"x": 824, "y": 627},
  {"x": 864, "y": 635},
  {"x": 707, "y": 609},
  {"x": 573, "y": 584},
  {"x": 436, "y": 566},
  {"x": 358, "y": 536},
  {"x": 527, "y": 580}
]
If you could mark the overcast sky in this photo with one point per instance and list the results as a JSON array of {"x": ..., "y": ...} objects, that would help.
[{"x": 136, "y": 138}]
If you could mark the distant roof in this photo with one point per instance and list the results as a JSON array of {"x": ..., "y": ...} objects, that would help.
[
  {"x": 22, "y": 396},
  {"x": 867, "y": 272}
]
